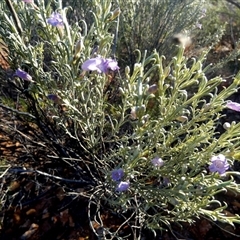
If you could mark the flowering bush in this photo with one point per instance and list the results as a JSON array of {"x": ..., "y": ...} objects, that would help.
[{"x": 142, "y": 142}]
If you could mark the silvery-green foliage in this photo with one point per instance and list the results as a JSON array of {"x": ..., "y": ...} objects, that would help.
[
  {"x": 108, "y": 121},
  {"x": 179, "y": 127}
]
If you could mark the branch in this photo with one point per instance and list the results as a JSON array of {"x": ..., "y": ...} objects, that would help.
[
  {"x": 16, "y": 111},
  {"x": 15, "y": 17},
  {"x": 15, "y": 170}
]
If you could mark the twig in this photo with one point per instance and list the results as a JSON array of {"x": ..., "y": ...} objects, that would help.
[
  {"x": 114, "y": 234},
  {"x": 70, "y": 159},
  {"x": 25, "y": 136},
  {"x": 48, "y": 175},
  {"x": 8, "y": 167},
  {"x": 61, "y": 179},
  {"x": 16, "y": 111}
]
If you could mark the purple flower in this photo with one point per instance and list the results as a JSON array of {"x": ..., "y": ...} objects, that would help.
[
  {"x": 22, "y": 74},
  {"x": 123, "y": 186},
  {"x": 166, "y": 181},
  {"x": 157, "y": 162},
  {"x": 28, "y": 1},
  {"x": 233, "y": 105},
  {"x": 219, "y": 164},
  {"x": 55, "y": 20},
  {"x": 99, "y": 64},
  {"x": 199, "y": 25},
  {"x": 204, "y": 11},
  {"x": 117, "y": 174},
  {"x": 111, "y": 64}
]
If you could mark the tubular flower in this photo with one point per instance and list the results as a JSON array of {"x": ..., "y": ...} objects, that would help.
[
  {"x": 123, "y": 186},
  {"x": 219, "y": 164},
  {"x": 28, "y": 1},
  {"x": 24, "y": 75},
  {"x": 99, "y": 64},
  {"x": 117, "y": 174},
  {"x": 55, "y": 20},
  {"x": 157, "y": 162},
  {"x": 233, "y": 106}
]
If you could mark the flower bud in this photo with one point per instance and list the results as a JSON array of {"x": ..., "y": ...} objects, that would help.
[
  {"x": 152, "y": 89},
  {"x": 226, "y": 125},
  {"x": 115, "y": 14},
  {"x": 207, "y": 107},
  {"x": 121, "y": 91},
  {"x": 137, "y": 65},
  {"x": 182, "y": 119},
  {"x": 127, "y": 70},
  {"x": 79, "y": 46}
]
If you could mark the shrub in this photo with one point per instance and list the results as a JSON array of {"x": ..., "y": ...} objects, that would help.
[
  {"x": 149, "y": 25},
  {"x": 142, "y": 141}
]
